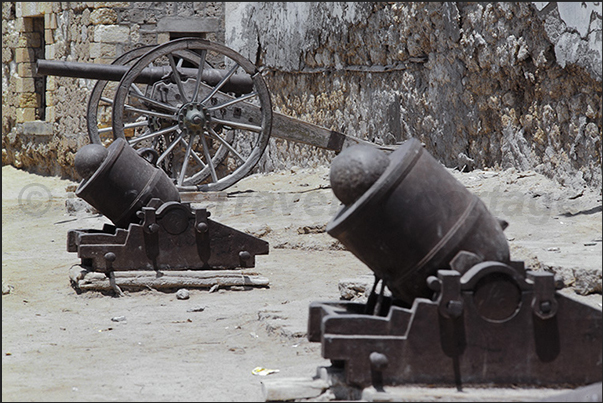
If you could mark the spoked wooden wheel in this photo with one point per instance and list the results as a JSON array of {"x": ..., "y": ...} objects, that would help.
[
  {"x": 100, "y": 103},
  {"x": 203, "y": 107}
]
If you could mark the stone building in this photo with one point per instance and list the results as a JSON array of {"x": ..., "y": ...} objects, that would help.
[
  {"x": 499, "y": 85},
  {"x": 43, "y": 118}
]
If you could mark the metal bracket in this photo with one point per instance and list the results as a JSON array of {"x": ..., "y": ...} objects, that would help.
[
  {"x": 149, "y": 223},
  {"x": 201, "y": 226},
  {"x": 450, "y": 303},
  {"x": 544, "y": 303}
]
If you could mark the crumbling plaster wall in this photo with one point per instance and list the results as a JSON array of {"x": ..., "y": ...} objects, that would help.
[
  {"x": 91, "y": 32},
  {"x": 480, "y": 84}
]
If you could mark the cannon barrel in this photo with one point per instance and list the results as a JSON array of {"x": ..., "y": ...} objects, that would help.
[
  {"x": 406, "y": 217},
  {"x": 118, "y": 182},
  {"x": 239, "y": 83}
]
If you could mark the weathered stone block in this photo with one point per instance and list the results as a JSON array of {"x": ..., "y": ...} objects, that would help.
[
  {"x": 148, "y": 38},
  {"x": 163, "y": 37},
  {"x": 50, "y": 51},
  {"x": 50, "y": 113},
  {"x": 25, "y": 69},
  {"x": 26, "y": 114},
  {"x": 24, "y": 25},
  {"x": 27, "y": 9},
  {"x": 102, "y": 50},
  {"x": 25, "y": 85},
  {"x": 49, "y": 36},
  {"x": 51, "y": 83},
  {"x": 133, "y": 16},
  {"x": 111, "y": 33},
  {"x": 104, "y": 16},
  {"x": 24, "y": 55},
  {"x": 45, "y": 7},
  {"x": 50, "y": 98},
  {"x": 50, "y": 21},
  {"x": 29, "y": 100}
]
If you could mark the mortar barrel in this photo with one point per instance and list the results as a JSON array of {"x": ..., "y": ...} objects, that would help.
[
  {"x": 406, "y": 216},
  {"x": 118, "y": 182},
  {"x": 239, "y": 83}
]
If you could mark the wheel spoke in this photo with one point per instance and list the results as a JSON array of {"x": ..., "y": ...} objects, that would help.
[
  {"x": 136, "y": 89},
  {"x": 212, "y": 169},
  {"x": 237, "y": 125},
  {"x": 150, "y": 135},
  {"x": 150, "y": 113},
  {"x": 154, "y": 103},
  {"x": 169, "y": 149},
  {"x": 232, "y": 102},
  {"x": 199, "y": 74},
  {"x": 177, "y": 77},
  {"x": 215, "y": 135},
  {"x": 221, "y": 83},
  {"x": 195, "y": 156},
  {"x": 185, "y": 161}
]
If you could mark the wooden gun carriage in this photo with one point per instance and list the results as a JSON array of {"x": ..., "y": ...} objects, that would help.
[{"x": 198, "y": 110}]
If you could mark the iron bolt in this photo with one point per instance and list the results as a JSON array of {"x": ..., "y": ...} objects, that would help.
[
  {"x": 202, "y": 227},
  {"x": 434, "y": 283},
  {"x": 454, "y": 308},
  {"x": 378, "y": 361},
  {"x": 153, "y": 228},
  {"x": 244, "y": 255},
  {"x": 545, "y": 306},
  {"x": 197, "y": 119},
  {"x": 110, "y": 257}
]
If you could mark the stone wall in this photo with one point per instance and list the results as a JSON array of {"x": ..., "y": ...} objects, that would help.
[
  {"x": 480, "y": 84},
  {"x": 43, "y": 120}
]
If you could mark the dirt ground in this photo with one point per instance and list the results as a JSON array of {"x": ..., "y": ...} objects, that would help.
[{"x": 58, "y": 345}]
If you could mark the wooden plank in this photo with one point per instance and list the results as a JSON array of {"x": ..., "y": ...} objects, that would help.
[
  {"x": 89, "y": 280},
  {"x": 289, "y": 128},
  {"x": 292, "y": 129}
]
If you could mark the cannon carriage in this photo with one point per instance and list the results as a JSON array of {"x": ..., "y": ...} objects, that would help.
[{"x": 198, "y": 110}]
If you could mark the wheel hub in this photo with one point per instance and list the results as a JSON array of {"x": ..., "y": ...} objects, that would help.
[{"x": 193, "y": 118}]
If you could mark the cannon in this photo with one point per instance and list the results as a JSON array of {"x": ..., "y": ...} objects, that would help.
[
  {"x": 202, "y": 111},
  {"x": 152, "y": 229},
  {"x": 449, "y": 306}
]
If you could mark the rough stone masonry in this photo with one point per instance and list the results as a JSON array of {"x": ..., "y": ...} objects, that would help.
[
  {"x": 495, "y": 85},
  {"x": 502, "y": 85}
]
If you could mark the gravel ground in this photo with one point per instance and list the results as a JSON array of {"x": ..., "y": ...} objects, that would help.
[{"x": 58, "y": 345}]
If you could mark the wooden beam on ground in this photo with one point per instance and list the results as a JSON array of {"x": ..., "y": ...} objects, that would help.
[{"x": 140, "y": 279}]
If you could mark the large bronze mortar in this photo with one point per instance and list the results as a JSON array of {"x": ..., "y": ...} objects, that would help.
[
  {"x": 406, "y": 217},
  {"x": 118, "y": 182}
]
